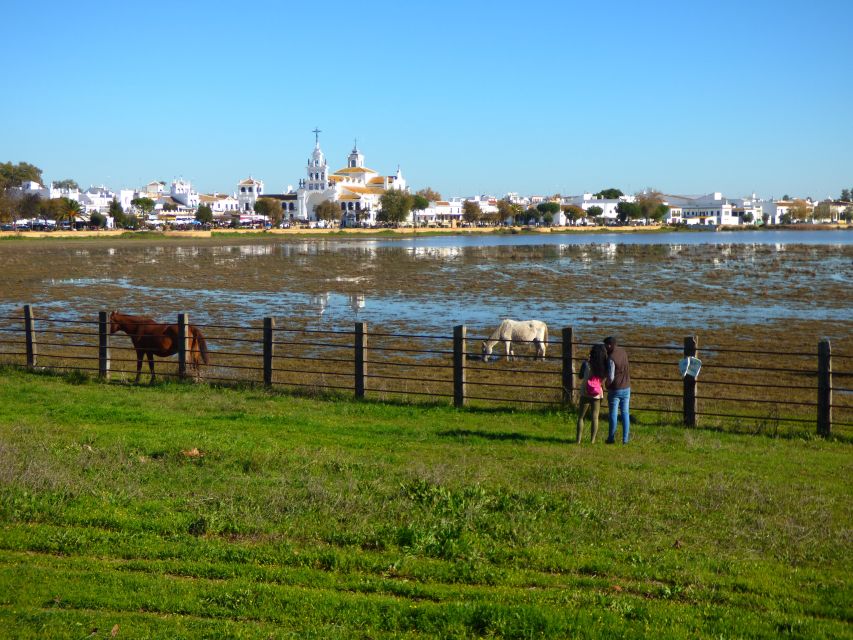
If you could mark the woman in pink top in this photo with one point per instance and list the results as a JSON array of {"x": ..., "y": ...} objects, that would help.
[{"x": 594, "y": 373}]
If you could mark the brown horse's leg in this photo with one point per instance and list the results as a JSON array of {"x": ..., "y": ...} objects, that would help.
[
  {"x": 151, "y": 365},
  {"x": 138, "y": 364}
]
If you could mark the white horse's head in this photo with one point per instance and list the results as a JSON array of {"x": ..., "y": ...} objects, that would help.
[{"x": 487, "y": 350}]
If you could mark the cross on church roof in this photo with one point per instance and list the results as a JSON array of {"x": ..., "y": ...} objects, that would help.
[{"x": 317, "y": 133}]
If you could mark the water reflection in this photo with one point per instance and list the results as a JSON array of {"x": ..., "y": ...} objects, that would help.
[{"x": 561, "y": 279}]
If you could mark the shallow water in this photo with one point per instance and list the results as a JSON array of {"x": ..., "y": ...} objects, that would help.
[{"x": 597, "y": 283}]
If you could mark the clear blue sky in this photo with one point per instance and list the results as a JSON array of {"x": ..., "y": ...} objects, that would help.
[{"x": 468, "y": 97}]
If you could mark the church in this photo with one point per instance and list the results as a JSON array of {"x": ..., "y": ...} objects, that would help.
[{"x": 356, "y": 189}]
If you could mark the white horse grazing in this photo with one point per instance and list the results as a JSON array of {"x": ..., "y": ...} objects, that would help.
[{"x": 534, "y": 331}]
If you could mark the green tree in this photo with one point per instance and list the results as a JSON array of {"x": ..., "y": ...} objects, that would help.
[
  {"x": 430, "y": 194},
  {"x": 507, "y": 210},
  {"x": 845, "y": 195},
  {"x": 68, "y": 210},
  {"x": 7, "y": 209},
  {"x": 419, "y": 203},
  {"x": 786, "y": 218},
  {"x": 575, "y": 213},
  {"x": 12, "y": 175},
  {"x": 68, "y": 183},
  {"x": 116, "y": 213},
  {"x": 594, "y": 212},
  {"x": 98, "y": 220},
  {"x": 29, "y": 205},
  {"x": 609, "y": 194},
  {"x": 626, "y": 211},
  {"x": 748, "y": 217},
  {"x": 800, "y": 210},
  {"x": 847, "y": 214},
  {"x": 270, "y": 208},
  {"x": 395, "y": 206},
  {"x": 823, "y": 211},
  {"x": 786, "y": 197},
  {"x": 53, "y": 209},
  {"x": 650, "y": 205},
  {"x": 471, "y": 211},
  {"x": 170, "y": 206},
  {"x": 545, "y": 208},
  {"x": 328, "y": 211},
  {"x": 531, "y": 215},
  {"x": 144, "y": 205},
  {"x": 204, "y": 214}
]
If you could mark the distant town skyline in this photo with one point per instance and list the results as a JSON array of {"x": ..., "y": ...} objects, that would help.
[{"x": 467, "y": 98}]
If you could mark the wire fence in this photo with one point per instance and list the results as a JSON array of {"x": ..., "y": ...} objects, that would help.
[{"x": 785, "y": 391}]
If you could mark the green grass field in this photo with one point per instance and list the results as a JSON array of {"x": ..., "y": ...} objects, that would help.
[{"x": 312, "y": 518}]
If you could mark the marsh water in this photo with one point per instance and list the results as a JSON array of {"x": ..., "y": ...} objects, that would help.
[{"x": 735, "y": 283}]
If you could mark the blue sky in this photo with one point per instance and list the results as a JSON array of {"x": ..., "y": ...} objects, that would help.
[{"x": 468, "y": 97}]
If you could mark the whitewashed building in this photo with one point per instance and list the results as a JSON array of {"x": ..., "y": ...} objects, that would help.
[
  {"x": 441, "y": 213},
  {"x": 587, "y": 200},
  {"x": 220, "y": 203},
  {"x": 96, "y": 199},
  {"x": 248, "y": 192},
  {"x": 182, "y": 192}
]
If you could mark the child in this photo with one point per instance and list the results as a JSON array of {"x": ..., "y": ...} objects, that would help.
[{"x": 594, "y": 372}]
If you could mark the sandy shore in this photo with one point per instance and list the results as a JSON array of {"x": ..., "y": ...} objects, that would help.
[{"x": 297, "y": 231}]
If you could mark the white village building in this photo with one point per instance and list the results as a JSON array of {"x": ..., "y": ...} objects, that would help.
[
  {"x": 441, "y": 213},
  {"x": 587, "y": 200},
  {"x": 248, "y": 192},
  {"x": 220, "y": 203}
]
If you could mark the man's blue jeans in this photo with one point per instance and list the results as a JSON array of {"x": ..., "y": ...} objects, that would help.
[{"x": 616, "y": 400}]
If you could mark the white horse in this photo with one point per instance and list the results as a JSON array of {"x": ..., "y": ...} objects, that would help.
[{"x": 534, "y": 331}]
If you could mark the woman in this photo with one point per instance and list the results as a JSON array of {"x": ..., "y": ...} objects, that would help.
[{"x": 594, "y": 372}]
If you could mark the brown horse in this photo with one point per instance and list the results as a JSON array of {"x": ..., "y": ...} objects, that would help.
[{"x": 152, "y": 338}]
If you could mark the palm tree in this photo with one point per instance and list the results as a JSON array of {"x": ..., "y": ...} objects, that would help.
[{"x": 70, "y": 211}]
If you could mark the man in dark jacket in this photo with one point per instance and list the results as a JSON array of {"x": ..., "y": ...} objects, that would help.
[{"x": 618, "y": 389}]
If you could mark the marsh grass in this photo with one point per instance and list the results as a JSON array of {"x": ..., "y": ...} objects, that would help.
[{"x": 306, "y": 517}]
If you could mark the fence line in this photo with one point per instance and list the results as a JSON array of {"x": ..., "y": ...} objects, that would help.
[{"x": 389, "y": 366}]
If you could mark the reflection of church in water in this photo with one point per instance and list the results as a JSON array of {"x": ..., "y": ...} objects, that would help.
[{"x": 355, "y": 301}]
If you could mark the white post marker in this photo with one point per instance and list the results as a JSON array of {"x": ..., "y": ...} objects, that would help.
[{"x": 690, "y": 366}]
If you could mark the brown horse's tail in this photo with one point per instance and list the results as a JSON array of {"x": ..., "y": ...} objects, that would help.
[{"x": 201, "y": 343}]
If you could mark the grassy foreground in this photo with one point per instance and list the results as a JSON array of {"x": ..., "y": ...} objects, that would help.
[{"x": 308, "y": 518}]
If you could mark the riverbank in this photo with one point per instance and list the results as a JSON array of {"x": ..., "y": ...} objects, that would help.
[{"x": 398, "y": 232}]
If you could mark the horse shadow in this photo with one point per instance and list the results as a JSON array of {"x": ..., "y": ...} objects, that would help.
[{"x": 505, "y": 436}]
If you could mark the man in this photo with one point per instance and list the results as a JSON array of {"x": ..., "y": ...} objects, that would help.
[{"x": 618, "y": 389}]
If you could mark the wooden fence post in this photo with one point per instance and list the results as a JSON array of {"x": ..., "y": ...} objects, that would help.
[
  {"x": 459, "y": 357},
  {"x": 32, "y": 343},
  {"x": 690, "y": 349},
  {"x": 824, "y": 388},
  {"x": 103, "y": 346},
  {"x": 269, "y": 325},
  {"x": 360, "y": 357},
  {"x": 183, "y": 335},
  {"x": 568, "y": 366}
]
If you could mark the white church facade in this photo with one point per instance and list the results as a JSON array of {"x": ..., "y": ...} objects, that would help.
[{"x": 355, "y": 188}]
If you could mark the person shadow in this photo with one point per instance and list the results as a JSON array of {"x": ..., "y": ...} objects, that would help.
[{"x": 504, "y": 436}]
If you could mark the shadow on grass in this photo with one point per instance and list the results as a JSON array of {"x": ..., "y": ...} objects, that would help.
[{"x": 503, "y": 436}]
